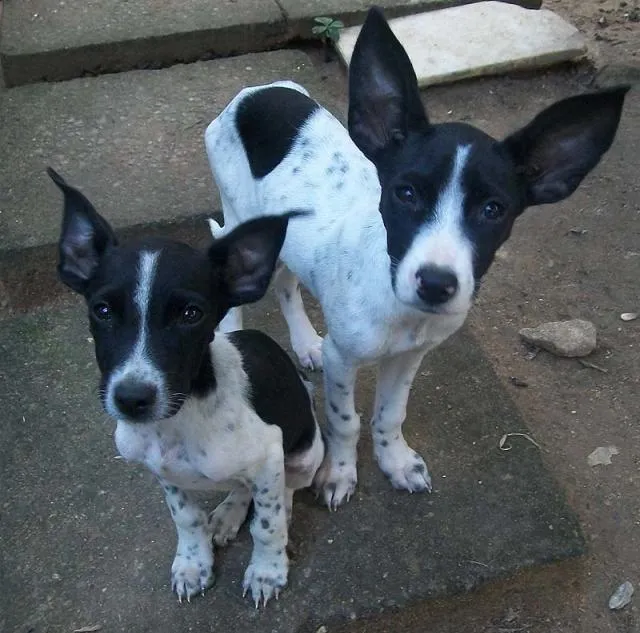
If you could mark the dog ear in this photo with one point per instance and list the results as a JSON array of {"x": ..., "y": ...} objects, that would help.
[
  {"x": 564, "y": 143},
  {"x": 384, "y": 100},
  {"x": 247, "y": 257},
  {"x": 84, "y": 237}
]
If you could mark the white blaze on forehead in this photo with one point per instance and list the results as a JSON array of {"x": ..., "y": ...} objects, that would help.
[
  {"x": 139, "y": 366},
  {"x": 450, "y": 204},
  {"x": 146, "y": 275}
]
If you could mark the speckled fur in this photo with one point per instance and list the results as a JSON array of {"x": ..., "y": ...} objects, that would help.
[{"x": 406, "y": 218}]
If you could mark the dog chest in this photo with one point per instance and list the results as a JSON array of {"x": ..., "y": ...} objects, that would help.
[{"x": 201, "y": 463}]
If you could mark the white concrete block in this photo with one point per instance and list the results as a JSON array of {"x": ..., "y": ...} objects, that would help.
[{"x": 485, "y": 38}]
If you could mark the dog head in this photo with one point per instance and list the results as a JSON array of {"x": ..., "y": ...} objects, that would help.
[
  {"x": 154, "y": 304},
  {"x": 450, "y": 192}
]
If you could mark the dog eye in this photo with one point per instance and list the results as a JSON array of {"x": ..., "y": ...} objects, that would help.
[
  {"x": 102, "y": 311},
  {"x": 191, "y": 315},
  {"x": 406, "y": 194},
  {"x": 493, "y": 211}
]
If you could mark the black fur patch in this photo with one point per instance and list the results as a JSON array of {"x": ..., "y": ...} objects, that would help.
[
  {"x": 278, "y": 394},
  {"x": 269, "y": 121}
]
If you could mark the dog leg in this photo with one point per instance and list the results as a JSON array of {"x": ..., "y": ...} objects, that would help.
[
  {"x": 337, "y": 476},
  {"x": 306, "y": 342},
  {"x": 228, "y": 517},
  {"x": 300, "y": 469},
  {"x": 192, "y": 569},
  {"x": 402, "y": 465},
  {"x": 267, "y": 572}
]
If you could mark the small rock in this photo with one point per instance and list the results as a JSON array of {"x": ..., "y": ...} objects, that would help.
[
  {"x": 621, "y": 596},
  {"x": 602, "y": 455},
  {"x": 629, "y": 316},
  {"x": 563, "y": 338}
]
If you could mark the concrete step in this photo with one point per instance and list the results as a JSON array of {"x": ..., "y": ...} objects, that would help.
[
  {"x": 133, "y": 142},
  {"x": 498, "y": 38},
  {"x": 87, "y": 540},
  {"x": 62, "y": 39}
]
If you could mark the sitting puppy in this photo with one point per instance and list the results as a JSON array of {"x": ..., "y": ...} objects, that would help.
[{"x": 201, "y": 412}]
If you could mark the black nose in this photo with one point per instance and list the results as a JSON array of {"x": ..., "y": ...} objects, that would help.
[
  {"x": 436, "y": 285},
  {"x": 135, "y": 399}
]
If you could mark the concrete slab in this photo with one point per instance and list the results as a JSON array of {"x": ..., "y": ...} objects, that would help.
[
  {"x": 133, "y": 141},
  {"x": 60, "y": 39},
  {"x": 490, "y": 38},
  {"x": 300, "y": 13},
  {"x": 87, "y": 540}
]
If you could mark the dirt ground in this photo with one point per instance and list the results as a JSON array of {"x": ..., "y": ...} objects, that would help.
[{"x": 579, "y": 259}]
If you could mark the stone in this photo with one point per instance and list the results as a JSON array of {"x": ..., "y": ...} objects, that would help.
[
  {"x": 573, "y": 338},
  {"x": 300, "y": 13},
  {"x": 61, "y": 39},
  {"x": 621, "y": 597},
  {"x": 484, "y": 38},
  {"x": 87, "y": 538}
]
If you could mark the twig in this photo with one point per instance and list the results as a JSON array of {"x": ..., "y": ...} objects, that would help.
[
  {"x": 502, "y": 444},
  {"x": 586, "y": 363},
  {"x": 477, "y": 562}
]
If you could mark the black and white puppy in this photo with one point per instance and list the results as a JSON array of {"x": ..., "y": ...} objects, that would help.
[
  {"x": 408, "y": 216},
  {"x": 203, "y": 413}
]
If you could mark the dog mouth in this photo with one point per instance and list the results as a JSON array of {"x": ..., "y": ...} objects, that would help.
[{"x": 440, "y": 311}]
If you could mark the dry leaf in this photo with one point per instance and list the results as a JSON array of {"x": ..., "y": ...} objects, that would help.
[
  {"x": 602, "y": 455},
  {"x": 503, "y": 446}
]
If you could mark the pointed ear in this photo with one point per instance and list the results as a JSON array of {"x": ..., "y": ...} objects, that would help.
[
  {"x": 564, "y": 143},
  {"x": 84, "y": 237},
  {"x": 247, "y": 257},
  {"x": 384, "y": 100}
]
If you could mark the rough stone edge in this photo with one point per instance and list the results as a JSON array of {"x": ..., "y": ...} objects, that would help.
[
  {"x": 300, "y": 23},
  {"x": 145, "y": 53}
]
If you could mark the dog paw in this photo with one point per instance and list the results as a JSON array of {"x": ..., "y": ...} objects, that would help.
[
  {"x": 192, "y": 573},
  {"x": 226, "y": 520},
  {"x": 308, "y": 349},
  {"x": 405, "y": 469},
  {"x": 265, "y": 578},
  {"x": 336, "y": 481}
]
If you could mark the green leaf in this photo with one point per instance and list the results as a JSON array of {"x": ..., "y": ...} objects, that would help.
[
  {"x": 339, "y": 24},
  {"x": 324, "y": 21},
  {"x": 318, "y": 30}
]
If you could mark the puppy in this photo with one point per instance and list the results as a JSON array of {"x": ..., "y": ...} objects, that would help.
[
  {"x": 408, "y": 216},
  {"x": 202, "y": 412}
]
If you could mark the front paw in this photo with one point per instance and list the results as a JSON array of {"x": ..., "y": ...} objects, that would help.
[
  {"x": 266, "y": 577},
  {"x": 192, "y": 572},
  {"x": 405, "y": 469},
  {"x": 336, "y": 480}
]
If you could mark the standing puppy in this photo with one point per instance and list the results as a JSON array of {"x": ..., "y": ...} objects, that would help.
[
  {"x": 407, "y": 218},
  {"x": 202, "y": 413}
]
